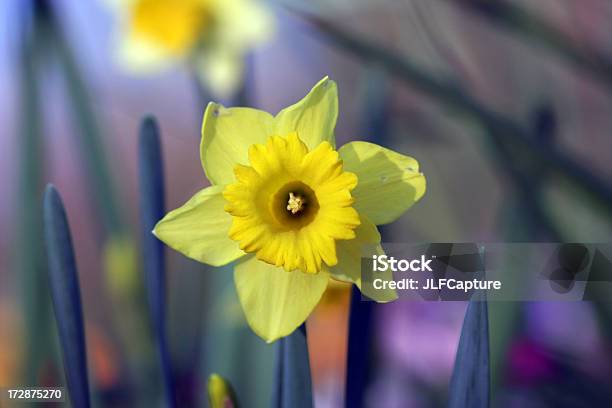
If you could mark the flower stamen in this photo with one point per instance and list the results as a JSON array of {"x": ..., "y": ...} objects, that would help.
[{"x": 296, "y": 203}]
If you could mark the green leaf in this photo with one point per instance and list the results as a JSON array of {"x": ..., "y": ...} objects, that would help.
[
  {"x": 293, "y": 387},
  {"x": 66, "y": 297},
  {"x": 471, "y": 380}
]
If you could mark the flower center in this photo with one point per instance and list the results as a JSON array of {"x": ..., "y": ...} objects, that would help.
[
  {"x": 291, "y": 204},
  {"x": 296, "y": 203}
]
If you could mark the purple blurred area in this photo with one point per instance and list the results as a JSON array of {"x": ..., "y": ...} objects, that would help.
[{"x": 470, "y": 196}]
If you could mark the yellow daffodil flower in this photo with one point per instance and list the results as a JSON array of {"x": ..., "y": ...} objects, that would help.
[
  {"x": 211, "y": 35},
  {"x": 287, "y": 206}
]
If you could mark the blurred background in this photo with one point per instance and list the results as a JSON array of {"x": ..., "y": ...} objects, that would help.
[{"x": 507, "y": 106}]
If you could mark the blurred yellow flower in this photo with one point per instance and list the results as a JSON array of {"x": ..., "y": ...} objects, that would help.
[
  {"x": 120, "y": 260},
  {"x": 213, "y": 36},
  {"x": 220, "y": 393},
  {"x": 290, "y": 208}
]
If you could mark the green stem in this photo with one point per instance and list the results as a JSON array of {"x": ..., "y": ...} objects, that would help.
[
  {"x": 89, "y": 132},
  {"x": 30, "y": 252}
]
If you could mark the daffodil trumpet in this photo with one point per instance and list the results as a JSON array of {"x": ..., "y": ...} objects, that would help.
[{"x": 289, "y": 208}]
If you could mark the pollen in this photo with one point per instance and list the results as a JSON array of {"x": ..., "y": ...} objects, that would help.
[{"x": 296, "y": 203}]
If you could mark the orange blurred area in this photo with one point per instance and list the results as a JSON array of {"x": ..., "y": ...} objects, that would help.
[
  {"x": 104, "y": 357},
  {"x": 327, "y": 335},
  {"x": 11, "y": 345}
]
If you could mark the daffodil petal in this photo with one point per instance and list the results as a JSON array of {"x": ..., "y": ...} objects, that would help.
[
  {"x": 241, "y": 26},
  {"x": 389, "y": 182},
  {"x": 245, "y": 23},
  {"x": 275, "y": 301},
  {"x": 199, "y": 229},
  {"x": 139, "y": 56},
  {"x": 227, "y": 134},
  {"x": 350, "y": 254},
  {"x": 314, "y": 117},
  {"x": 221, "y": 69}
]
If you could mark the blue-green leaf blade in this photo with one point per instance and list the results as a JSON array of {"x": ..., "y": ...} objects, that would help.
[
  {"x": 359, "y": 348},
  {"x": 152, "y": 209},
  {"x": 470, "y": 382},
  {"x": 293, "y": 388},
  {"x": 66, "y": 297}
]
